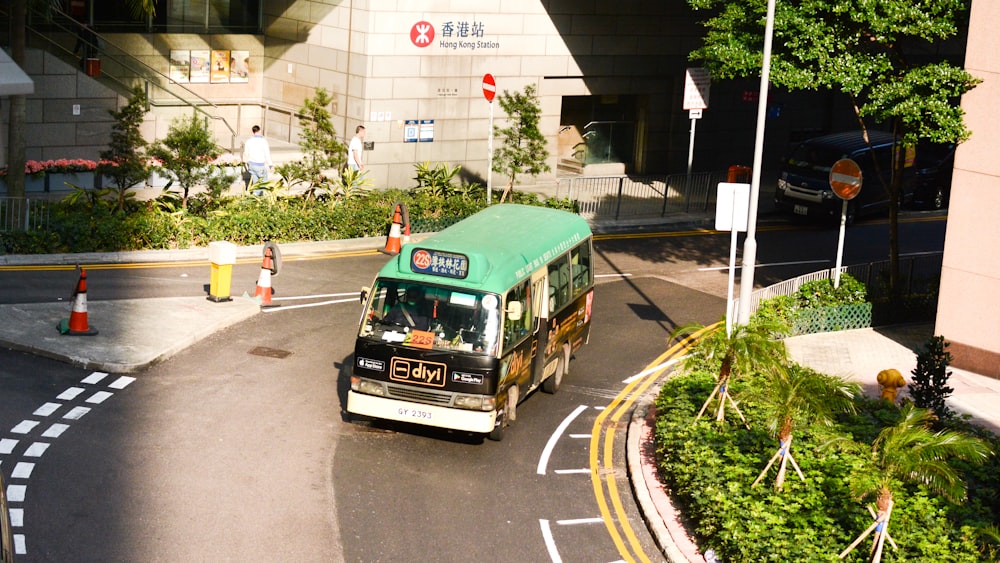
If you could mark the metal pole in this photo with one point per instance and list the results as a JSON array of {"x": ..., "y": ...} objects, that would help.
[
  {"x": 489, "y": 162},
  {"x": 840, "y": 245},
  {"x": 691, "y": 146},
  {"x": 750, "y": 245},
  {"x": 730, "y": 309}
]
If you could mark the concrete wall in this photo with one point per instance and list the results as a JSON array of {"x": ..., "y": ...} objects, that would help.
[
  {"x": 67, "y": 116},
  {"x": 383, "y": 73},
  {"x": 969, "y": 309}
]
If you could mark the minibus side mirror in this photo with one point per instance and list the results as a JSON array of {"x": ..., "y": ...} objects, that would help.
[
  {"x": 364, "y": 294},
  {"x": 514, "y": 310}
]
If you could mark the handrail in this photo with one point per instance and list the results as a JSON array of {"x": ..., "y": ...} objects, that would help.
[{"x": 140, "y": 70}]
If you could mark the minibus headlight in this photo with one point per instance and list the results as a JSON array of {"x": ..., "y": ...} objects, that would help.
[
  {"x": 367, "y": 387},
  {"x": 475, "y": 402},
  {"x": 782, "y": 185}
]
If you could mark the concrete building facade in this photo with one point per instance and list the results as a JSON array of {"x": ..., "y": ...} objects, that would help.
[{"x": 969, "y": 308}]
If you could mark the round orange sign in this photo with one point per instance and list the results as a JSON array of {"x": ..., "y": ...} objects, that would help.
[{"x": 845, "y": 178}]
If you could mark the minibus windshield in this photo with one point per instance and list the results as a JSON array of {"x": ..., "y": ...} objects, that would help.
[{"x": 432, "y": 317}]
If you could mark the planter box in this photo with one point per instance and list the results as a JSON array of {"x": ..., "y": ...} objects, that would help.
[
  {"x": 31, "y": 184},
  {"x": 830, "y": 319},
  {"x": 157, "y": 180},
  {"x": 57, "y": 181}
]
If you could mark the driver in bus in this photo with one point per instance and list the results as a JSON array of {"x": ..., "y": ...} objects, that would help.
[{"x": 408, "y": 311}]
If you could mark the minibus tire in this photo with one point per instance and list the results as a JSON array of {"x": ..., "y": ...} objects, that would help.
[
  {"x": 552, "y": 384},
  {"x": 509, "y": 415},
  {"x": 499, "y": 430}
]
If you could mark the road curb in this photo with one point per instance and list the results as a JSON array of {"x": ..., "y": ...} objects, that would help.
[{"x": 662, "y": 519}]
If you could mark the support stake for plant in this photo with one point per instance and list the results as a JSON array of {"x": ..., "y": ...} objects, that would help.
[
  {"x": 785, "y": 453},
  {"x": 881, "y": 528},
  {"x": 722, "y": 390}
]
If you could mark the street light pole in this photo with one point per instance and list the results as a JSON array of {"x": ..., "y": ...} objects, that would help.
[{"x": 750, "y": 244}]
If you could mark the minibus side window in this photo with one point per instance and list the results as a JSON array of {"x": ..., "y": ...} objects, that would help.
[
  {"x": 582, "y": 272},
  {"x": 559, "y": 278},
  {"x": 516, "y": 330}
]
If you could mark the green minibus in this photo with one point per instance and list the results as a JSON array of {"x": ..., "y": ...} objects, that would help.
[{"x": 460, "y": 327}]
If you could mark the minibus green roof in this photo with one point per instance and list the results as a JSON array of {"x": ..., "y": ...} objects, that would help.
[{"x": 503, "y": 244}]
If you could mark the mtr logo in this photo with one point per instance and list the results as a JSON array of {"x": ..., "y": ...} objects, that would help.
[
  {"x": 422, "y": 34},
  {"x": 416, "y": 371}
]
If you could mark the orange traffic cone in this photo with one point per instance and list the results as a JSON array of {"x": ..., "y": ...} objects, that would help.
[
  {"x": 264, "y": 290},
  {"x": 77, "y": 322},
  {"x": 393, "y": 243}
]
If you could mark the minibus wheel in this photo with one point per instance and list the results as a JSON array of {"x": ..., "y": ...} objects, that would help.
[
  {"x": 507, "y": 416},
  {"x": 552, "y": 384}
]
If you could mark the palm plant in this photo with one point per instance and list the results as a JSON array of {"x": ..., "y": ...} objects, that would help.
[
  {"x": 797, "y": 394},
  {"x": 910, "y": 451},
  {"x": 351, "y": 183},
  {"x": 748, "y": 348}
]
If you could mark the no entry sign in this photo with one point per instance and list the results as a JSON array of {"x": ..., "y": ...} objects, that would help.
[
  {"x": 845, "y": 178},
  {"x": 489, "y": 87}
]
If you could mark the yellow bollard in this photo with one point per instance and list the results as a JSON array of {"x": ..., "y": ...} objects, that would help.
[{"x": 222, "y": 255}]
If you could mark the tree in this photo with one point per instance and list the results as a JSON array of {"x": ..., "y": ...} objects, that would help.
[
  {"x": 798, "y": 394},
  {"x": 186, "y": 153},
  {"x": 910, "y": 452},
  {"x": 523, "y": 145},
  {"x": 929, "y": 388},
  {"x": 125, "y": 160},
  {"x": 321, "y": 151},
  {"x": 872, "y": 52},
  {"x": 749, "y": 348}
]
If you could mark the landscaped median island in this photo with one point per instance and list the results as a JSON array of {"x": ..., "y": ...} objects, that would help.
[{"x": 863, "y": 479}]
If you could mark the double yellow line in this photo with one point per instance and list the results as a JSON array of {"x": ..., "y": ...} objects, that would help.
[{"x": 602, "y": 468}]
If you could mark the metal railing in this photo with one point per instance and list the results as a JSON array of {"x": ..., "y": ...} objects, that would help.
[
  {"x": 23, "y": 214},
  {"x": 643, "y": 197},
  {"x": 919, "y": 274},
  {"x": 59, "y": 30}
]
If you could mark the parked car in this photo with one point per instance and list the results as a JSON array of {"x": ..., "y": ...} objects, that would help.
[
  {"x": 932, "y": 178},
  {"x": 803, "y": 187}
]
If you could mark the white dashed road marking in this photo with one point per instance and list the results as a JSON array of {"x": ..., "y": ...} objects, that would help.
[{"x": 17, "y": 490}]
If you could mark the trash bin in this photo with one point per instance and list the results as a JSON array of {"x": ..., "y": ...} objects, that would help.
[
  {"x": 739, "y": 174},
  {"x": 222, "y": 255},
  {"x": 93, "y": 67}
]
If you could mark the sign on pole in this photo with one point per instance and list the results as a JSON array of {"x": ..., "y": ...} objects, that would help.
[
  {"x": 489, "y": 87},
  {"x": 489, "y": 91},
  {"x": 696, "y": 87},
  {"x": 697, "y": 84},
  {"x": 845, "y": 180},
  {"x": 732, "y": 212}
]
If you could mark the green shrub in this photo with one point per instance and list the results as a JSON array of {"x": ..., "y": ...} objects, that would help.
[
  {"x": 812, "y": 295},
  {"x": 709, "y": 471}
]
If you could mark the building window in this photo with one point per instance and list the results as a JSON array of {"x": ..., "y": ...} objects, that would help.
[{"x": 181, "y": 16}]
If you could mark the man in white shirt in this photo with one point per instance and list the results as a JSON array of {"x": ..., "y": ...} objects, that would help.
[
  {"x": 356, "y": 149},
  {"x": 257, "y": 156}
]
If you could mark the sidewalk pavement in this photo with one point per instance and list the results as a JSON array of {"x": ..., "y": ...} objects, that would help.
[{"x": 856, "y": 355}]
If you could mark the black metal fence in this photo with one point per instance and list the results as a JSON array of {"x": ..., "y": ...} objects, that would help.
[
  {"x": 23, "y": 214},
  {"x": 643, "y": 197}
]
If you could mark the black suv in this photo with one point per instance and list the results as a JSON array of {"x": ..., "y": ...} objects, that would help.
[{"x": 804, "y": 185}]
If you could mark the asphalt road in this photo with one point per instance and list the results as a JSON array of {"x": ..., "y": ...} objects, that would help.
[{"x": 236, "y": 449}]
